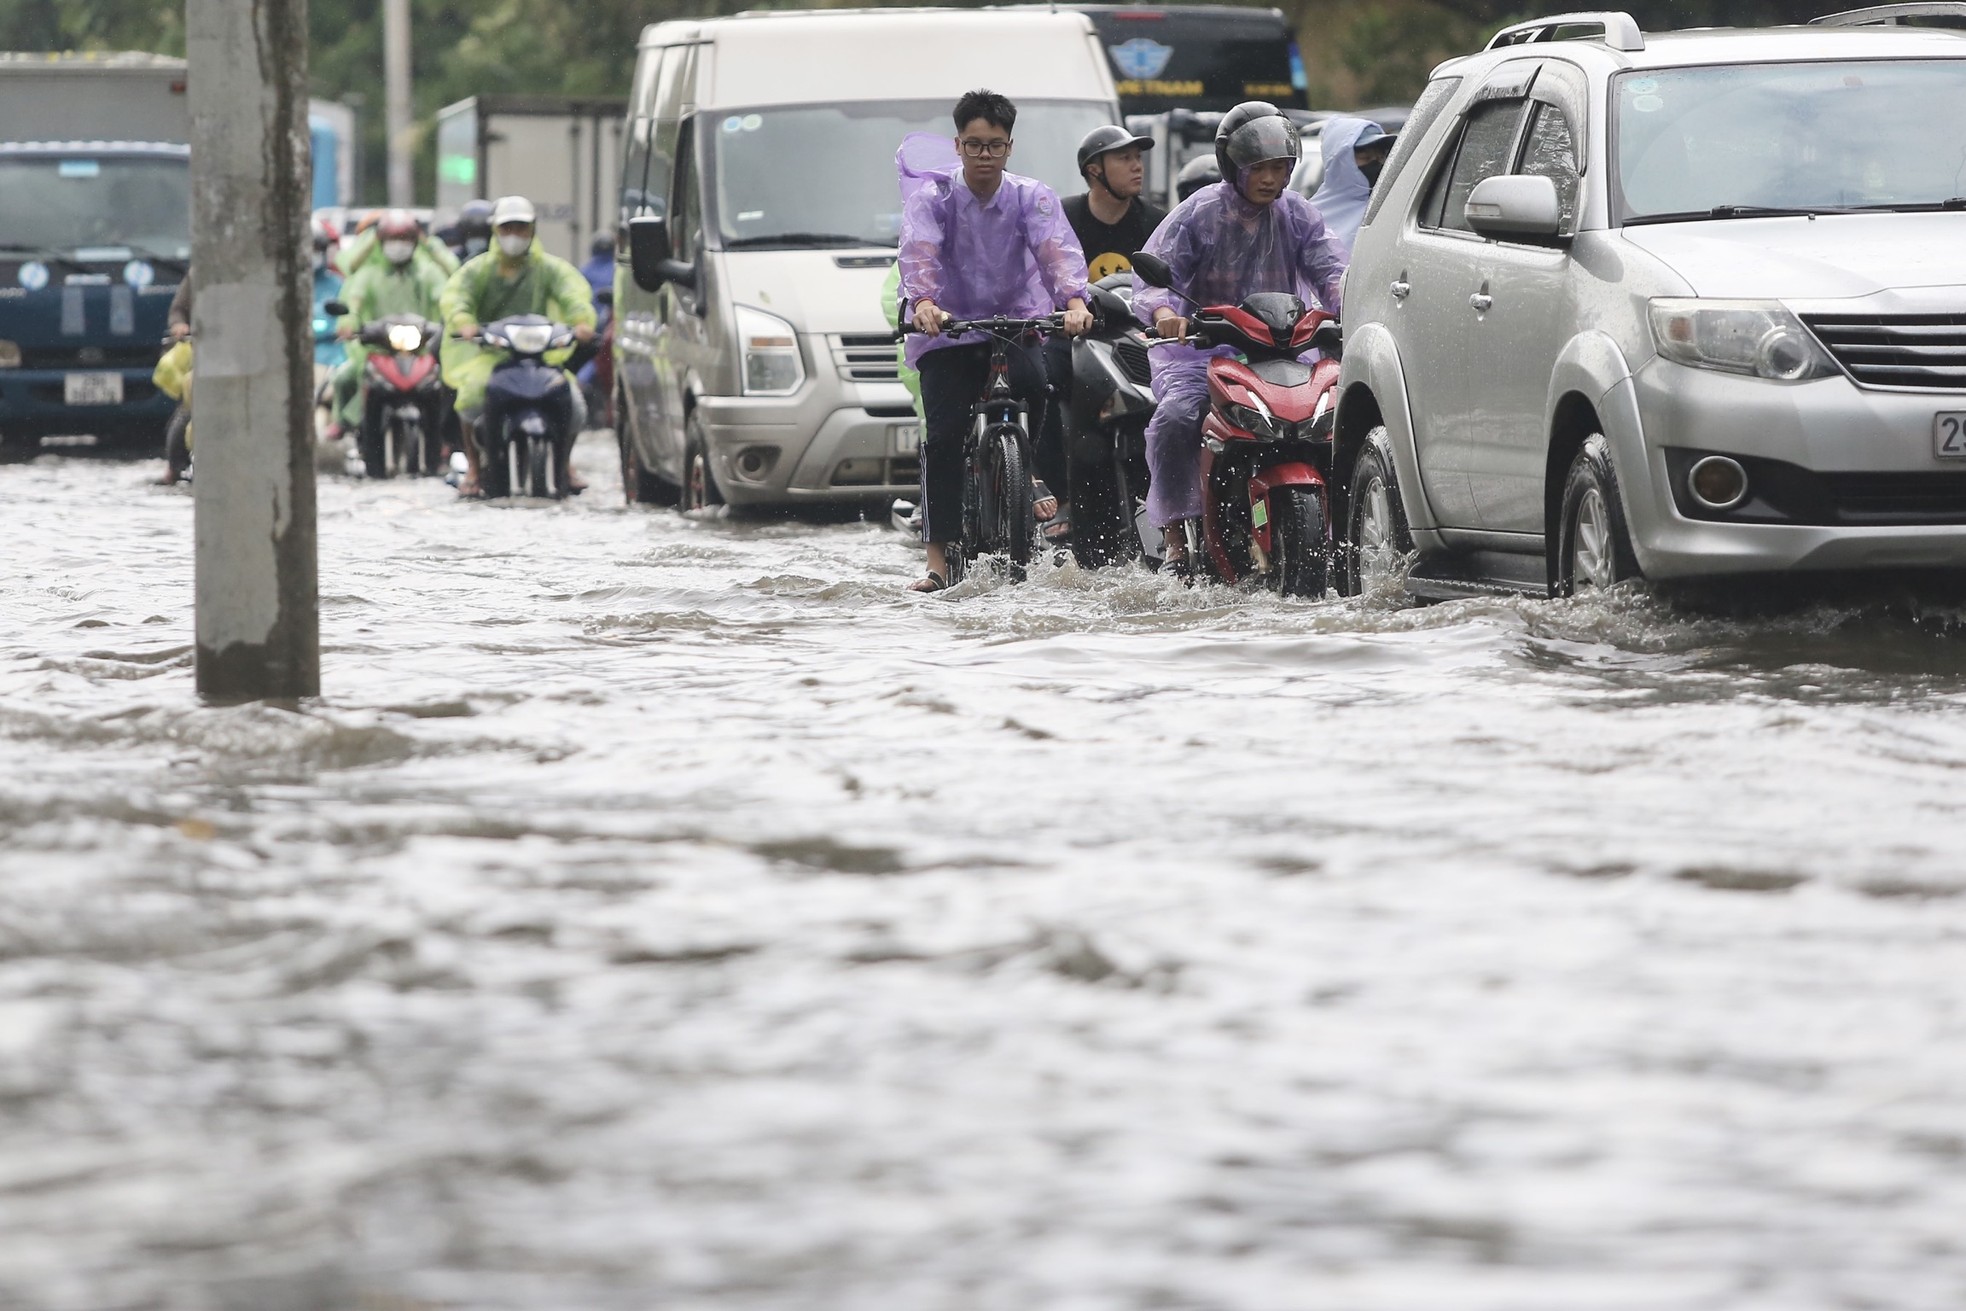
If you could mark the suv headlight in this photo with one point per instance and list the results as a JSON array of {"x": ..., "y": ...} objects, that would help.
[
  {"x": 770, "y": 349},
  {"x": 1760, "y": 338}
]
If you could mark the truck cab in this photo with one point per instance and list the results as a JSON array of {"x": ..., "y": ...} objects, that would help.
[{"x": 95, "y": 237}]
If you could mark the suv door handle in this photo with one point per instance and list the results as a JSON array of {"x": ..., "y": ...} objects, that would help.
[
  {"x": 1401, "y": 289},
  {"x": 1482, "y": 302}
]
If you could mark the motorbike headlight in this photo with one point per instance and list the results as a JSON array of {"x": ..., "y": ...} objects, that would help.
[
  {"x": 1760, "y": 338},
  {"x": 530, "y": 338},
  {"x": 1257, "y": 421},
  {"x": 405, "y": 338},
  {"x": 770, "y": 348}
]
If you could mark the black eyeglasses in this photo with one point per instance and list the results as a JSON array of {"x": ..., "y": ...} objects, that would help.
[{"x": 978, "y": 149}]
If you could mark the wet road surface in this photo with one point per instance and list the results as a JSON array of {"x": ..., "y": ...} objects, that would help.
[{"x": 669, "y": 913}]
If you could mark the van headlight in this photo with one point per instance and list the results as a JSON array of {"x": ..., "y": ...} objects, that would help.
[
  {"x": 9, "y": 355},
  {"x": 1760, "y": 338},
  {"x": 770, "y": 349}
]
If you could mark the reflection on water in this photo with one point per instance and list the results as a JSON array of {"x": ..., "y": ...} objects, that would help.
[{"x": 667, "y": 913}]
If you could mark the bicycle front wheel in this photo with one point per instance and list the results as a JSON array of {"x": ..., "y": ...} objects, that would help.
[{"x": 1009, "y": 523}]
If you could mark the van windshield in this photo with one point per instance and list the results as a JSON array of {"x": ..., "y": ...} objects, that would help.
[
  {"x": 809, "y": 175},
  {"x": 81, "y": 202},
  {"x": 1734, "y": 141}
]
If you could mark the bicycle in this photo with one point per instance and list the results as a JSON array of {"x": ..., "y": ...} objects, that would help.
[{"x": 997, "y": 513}]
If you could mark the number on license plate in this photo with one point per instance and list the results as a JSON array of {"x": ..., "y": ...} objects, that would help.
[
  {"x": 1949, "y": 436},
  {"x": 92, "y": 388},
  {"x": 906, "y": 438}
]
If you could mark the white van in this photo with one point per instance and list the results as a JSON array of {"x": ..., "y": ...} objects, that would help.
[{"x": 752, "y": 362}]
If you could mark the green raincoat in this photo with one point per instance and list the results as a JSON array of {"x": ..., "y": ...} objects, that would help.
[{"x": 479, "y": 293}]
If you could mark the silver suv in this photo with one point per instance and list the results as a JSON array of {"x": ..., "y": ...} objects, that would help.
[{"x": 1673, "y": 305}]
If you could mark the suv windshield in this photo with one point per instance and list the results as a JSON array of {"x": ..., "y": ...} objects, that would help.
[
  {"x": 83, "y": 202},
  {"x": 1707, "y": 142},
  {"x": 824, "y": 174}
]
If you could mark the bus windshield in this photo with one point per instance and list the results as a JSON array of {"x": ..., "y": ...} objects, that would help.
[{"x": 71, "y": 203}]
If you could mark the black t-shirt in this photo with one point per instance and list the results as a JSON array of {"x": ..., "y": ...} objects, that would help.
[{"x": 1107, "y": 246}]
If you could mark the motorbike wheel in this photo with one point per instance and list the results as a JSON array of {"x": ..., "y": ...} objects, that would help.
[
  {"x": 539, "y": 482},
  {"x": 495, "y": 468},
  {"x": 1377, "y": 540},
  {"x": 374, "y": 443},
  {"x": 1103, "y": 508},
  {"x": 1299, "y": 542},
  {"x": 700, "y": 490},
  {"x": 1008, "y": 521}
]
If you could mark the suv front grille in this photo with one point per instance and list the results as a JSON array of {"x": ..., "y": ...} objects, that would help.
[
  {"x": 1923, "y": 351},
  {"x": 866, "y": 357},
  {"x": 1898, "y": 498}
]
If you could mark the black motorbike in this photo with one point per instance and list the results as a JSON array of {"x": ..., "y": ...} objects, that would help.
[
  {"x": 526, "y": 453},
  {"x": 1106, "y": 432}
]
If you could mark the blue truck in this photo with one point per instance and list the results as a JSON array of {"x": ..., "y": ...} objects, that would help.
[{"x": 95, "y": 235}]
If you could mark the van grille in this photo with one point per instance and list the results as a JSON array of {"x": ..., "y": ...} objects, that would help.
[
  {"x": 866, "y": 357},
  {"x": 1925, "y": 351}
]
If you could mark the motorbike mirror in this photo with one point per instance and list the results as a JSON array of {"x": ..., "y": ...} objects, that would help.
[
  {"x": 1151, "y": 269},
  {"x": 1329, "y": 338},
  {"x": 648, "y": 251},
  {"x": 335, "y": 308}
]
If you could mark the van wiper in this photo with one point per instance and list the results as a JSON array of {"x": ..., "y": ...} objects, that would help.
[
  {"x": 156, "y": 256},
  {"x": 48, "y": 253},
  {"x": 800, "y": 240},
  {"x": 1739, "y": 211}
]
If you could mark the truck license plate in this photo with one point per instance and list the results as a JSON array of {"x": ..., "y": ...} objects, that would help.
[
  {"x": 106, "y": 389},
  {"x": 906, "y": 439},
  {"x": 1949, "y": 435}
]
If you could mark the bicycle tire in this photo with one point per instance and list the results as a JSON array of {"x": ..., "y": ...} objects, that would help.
[{"x": 1007, "y": 494}]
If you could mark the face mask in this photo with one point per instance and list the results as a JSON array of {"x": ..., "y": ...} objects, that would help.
[
  {"x": 514, "y": 244},
  {"x": 474, "y": 246},
  {"x": 398, "y": 252},
  {"x": 1371, "y": 171}
]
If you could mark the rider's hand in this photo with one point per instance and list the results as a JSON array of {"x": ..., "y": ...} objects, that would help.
[
  {"x": 1078, "y": 319},
  {"x": 179, "y": 331},
  {"x": 583, "y": 332},
  {"x": 469, "y": 332},
  {"x": 928, "y": 318},
  {"x": 1171, "y": 326},
  {"x": 345, "y": 333}
]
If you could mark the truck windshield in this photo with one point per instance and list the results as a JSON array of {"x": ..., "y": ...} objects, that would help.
[
  {"x": 80, "y": 202},
  {"x": 1742, "y": 140},
  {"x": 824, "y": 174}
]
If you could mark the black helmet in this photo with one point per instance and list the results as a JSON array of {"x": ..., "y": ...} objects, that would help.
[
  {"x": 1254, "y": 132},
  {"x": 1102, "y": 140},
  {"x": 1199, "y": 172},
  {"x": 474, "y": 219},
  {"x": 601, "y": 244}
]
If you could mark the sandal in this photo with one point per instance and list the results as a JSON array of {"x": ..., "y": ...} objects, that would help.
[
  {"x": 1039, "y": 495},
  {"x": 934, "y": 582},
  {"x": 1058, "y": 529}
]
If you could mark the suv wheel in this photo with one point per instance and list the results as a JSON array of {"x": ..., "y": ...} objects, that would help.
[
  {"x": 1377, "y": 540},
  {"x": 1593, "y": 547}
]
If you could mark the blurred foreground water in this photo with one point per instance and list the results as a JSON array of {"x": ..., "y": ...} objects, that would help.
[{"x": 658, "y": 913}]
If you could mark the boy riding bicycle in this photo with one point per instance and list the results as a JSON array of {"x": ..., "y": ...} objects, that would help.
[{"x": 977, "y": 244}]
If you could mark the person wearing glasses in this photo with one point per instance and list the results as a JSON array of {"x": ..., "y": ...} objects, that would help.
[{"x": 975, "y": 243}]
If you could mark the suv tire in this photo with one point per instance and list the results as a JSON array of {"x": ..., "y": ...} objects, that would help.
[
  {"x": 1377, "y": 539},
  {"x": 1593, "y": 546}
]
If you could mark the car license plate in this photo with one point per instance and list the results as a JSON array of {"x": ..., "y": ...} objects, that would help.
[
  {"x": 1949, "y": 435},
  {"x": 101, "y": 389},
  {"x": 906, "y": 439}
]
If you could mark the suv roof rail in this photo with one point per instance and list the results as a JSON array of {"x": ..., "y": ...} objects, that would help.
[
  {"x": 1620, "y": 32},
  {"x": 1888, "y": 15}
]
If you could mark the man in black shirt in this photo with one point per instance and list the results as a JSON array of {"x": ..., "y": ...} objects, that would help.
[{"x": 1112, "y": 222}]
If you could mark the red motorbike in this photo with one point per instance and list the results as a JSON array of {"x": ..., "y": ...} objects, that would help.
[
  {"x": 404, "y": 401},
  {"x": 1266, "y": 440}
]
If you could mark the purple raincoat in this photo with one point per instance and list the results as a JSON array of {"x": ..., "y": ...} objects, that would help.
[
  {"x": 1223, "y": 249},
  {"x": 1014, "y": 256}
]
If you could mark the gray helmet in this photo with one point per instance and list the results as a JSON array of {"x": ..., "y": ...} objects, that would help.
[
  {"x": 1252, "y": 133},
  {"x": 1199, "y": 172},
  {"x": 1101, "y": 140}
]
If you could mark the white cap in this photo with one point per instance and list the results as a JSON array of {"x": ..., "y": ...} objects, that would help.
[{"x": 513, "y": 209}]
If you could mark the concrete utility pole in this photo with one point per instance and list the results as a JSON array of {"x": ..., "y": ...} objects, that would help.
[
  {"x": 396, "y": 82},
  {"x": 258, "y": 603}
]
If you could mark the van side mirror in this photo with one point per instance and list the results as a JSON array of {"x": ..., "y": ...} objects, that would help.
[
  {"x": 1151, "y": 269},
  {"x": 648, "y": 252},
  {"x": 1515, "y": 205}
]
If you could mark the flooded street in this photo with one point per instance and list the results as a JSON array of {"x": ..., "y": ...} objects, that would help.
[{"x": 663, "y": 913}]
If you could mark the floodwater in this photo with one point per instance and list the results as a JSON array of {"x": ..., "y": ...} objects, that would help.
[{"x": 674, "y": 914}]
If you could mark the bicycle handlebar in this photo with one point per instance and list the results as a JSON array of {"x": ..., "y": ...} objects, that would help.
[{"x": 999, "y": 326}]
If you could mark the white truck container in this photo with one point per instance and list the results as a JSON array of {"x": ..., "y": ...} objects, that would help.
[
  {"x": 124, "y": 96},
  {"x": 561, "y": 152}
]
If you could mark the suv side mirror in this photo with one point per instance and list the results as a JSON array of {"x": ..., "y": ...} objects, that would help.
[
  {"x": 1515, "y": 205},
  {"x": 648, "y": 252}
]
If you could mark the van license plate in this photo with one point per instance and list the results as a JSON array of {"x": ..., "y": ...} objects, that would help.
[
  {"x": 106, "y": 389},
  {"x": 906, "y": 439},
  {"x": 1949, "y": 435}
]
